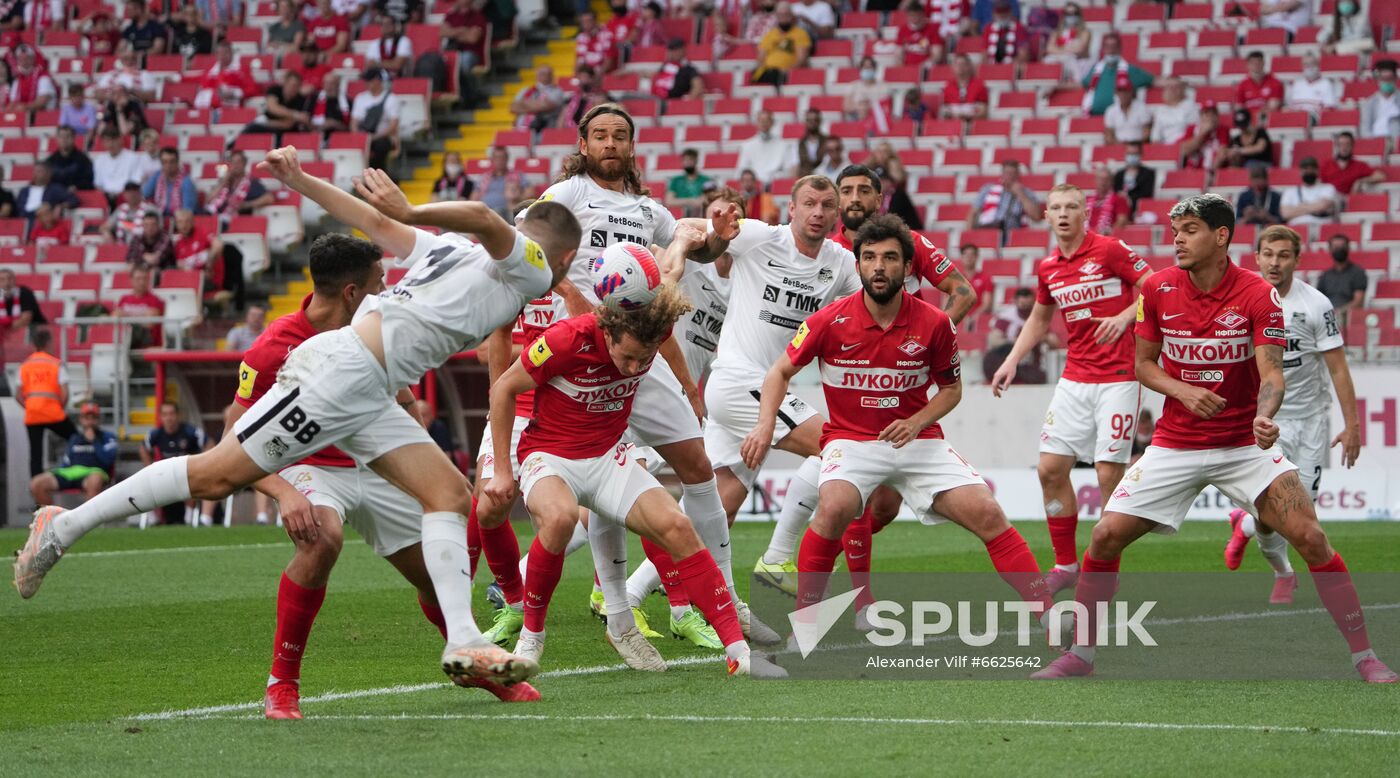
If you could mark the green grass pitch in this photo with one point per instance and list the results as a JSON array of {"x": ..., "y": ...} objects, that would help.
[{"x": 137, "y": 623}]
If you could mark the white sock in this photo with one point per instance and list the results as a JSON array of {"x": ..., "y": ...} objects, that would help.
[
  {"x": 1083, "y": 652},
  {"x": 449, "y": 565},
  {"x": 702, "y": 504},
  {"x": 1275, "y": 550},
  {"x": 608, "y": 543},
  {"x": 271, "y": 679},
  {"x": 737, "y": 651},
  {"x": 206, "y": 519},
  {"x": 1248, "y": 526},
  {"x": 1073, "y": 567},
  {"x": 1357, "y": 656},
  {"x": 580, "y": 537},
  {"x": 163, "y": 483},
  {"x": 678, "y": 611},
  {"x": 262, "y": 518},
  {"x": 526, "y": 632},
  {"x": 641, "y": 583},
  {"x": 798, "y": 505}
]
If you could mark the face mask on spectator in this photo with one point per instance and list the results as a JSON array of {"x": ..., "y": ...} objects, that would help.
[
  {"x": 452, "y": 171},
  {"x": 785, "y": 26},
  {"x": 1132, "y": 160},
  {"x": 689, "y": 170},
  {"x": 1346, "y": 8},
  {"x": 1310, "y": 178},
  {"x": 867, "y": 74},
  {"x": 1311, "y": 72},
  {"x": 1340, "y": 255},
  {"x": 1387, "y": 87}
]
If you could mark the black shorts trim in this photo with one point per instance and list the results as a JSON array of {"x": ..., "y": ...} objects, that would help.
[{"x": 786, "y": 419}]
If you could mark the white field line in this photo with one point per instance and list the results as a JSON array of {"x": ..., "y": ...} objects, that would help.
[
  {"x": 171, "y": 550},
  {"x": 645, "y": 717}
]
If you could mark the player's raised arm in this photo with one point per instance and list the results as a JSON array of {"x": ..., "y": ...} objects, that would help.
[
  {"x": 391, "y": 235},
  {"x": 1032, "y": 332},
  {"x": 465, "y": 216},
  {"x": 775, "y": 385},
  {"x": 719, "y": 230},
  {"x": 504, "y": 391}
]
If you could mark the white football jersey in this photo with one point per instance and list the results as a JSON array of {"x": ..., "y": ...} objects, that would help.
[
  {"x": 452, "y": 297},
  {"x": 698, "y": 331},
  {"x": 774, "y": 290},
  {"x": 1312, "y": 328},
  {"x": 607, "y": 217}
]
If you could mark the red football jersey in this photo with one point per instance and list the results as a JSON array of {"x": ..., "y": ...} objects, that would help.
[
  {"x": 264, "y": 358},
  {"x": 930, "y": 263},
  {"x": 1255, "y": 96},
  {"x": 871, "y": 376},
  {"x": 534, "y": 318},
  {"x": 916, "y": 44},
  {"x": 323, "y": 31},
  {"x": 1208, "y": 340},
  {"x": 582, "y": 402},
  {"x": 1096, "y": 282}
]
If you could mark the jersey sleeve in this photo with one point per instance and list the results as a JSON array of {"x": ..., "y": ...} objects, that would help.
[
  {"x": 423, "y": 243},
  {"x": 752, "y": 232},
  {"x": 930, "y": 263},
  {"x": 665, "y": 229},
  {"x": 806, "y": 344},
  {"x": 1146, "y": 327},
  {"x": 1042, "y": 289},
  {"x": 1329, "y": 334},
  {"x": 563, "y": 192},
  {"x": 849, "y": 277},
  {"x": 1266, "y": 312},
  {"x": 549, "y": 355},
  {"x": 1127, "y": 264},
  {"x": 943, "y": 355},
  {"x": 255, "y": 374}
]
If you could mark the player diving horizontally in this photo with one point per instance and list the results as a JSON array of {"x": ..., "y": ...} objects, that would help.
[{"x": 339, "y": 388}]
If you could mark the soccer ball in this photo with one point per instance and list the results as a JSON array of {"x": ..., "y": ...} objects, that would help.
[{"x": 626, "y": 276}]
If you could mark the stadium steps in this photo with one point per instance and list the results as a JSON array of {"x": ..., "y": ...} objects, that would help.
[{"x": 290, "y": 300}]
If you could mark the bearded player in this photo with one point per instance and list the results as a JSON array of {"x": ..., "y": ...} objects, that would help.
[
  {"x": 1093, "y": 280},
  {"x": 1218, "y": 332},
  {"x": 1313, "y": 339}
]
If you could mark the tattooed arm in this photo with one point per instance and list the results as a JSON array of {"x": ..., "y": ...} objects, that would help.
[
  {"x": 1270, "y": 361},
  {"x": 960, "y": 295}
]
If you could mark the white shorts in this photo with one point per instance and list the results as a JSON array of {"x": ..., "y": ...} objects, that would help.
[
  {"x": 1092, "y": 422},
  {"x": 919, "y": 471},
  {"x": 1161, "y": 486},
  {"x": 485, "y": 456},
  {"x": 660, "y": 413},
  {"x": 1304, "y": 442},
  {"x": 732, "y": 405},
  {"x": 330, "y": 391},
  {"x": 388, "y": 519},
  {"x": 608, "y": 485}
]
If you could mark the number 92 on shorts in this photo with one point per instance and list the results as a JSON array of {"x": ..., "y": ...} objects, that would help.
[{"x": 1091, "y": 422}]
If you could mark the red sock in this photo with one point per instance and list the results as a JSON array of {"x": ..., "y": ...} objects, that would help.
[
  {"x": 473, "y": 540},
  {"x": 503, "y": 557},
  {"x": 1098, "y": 582},
  {"x": 705, "y": 585},
  {"x": 670, "y": 576},
  {"x": 816, "y": 556},
  {"x": 542, "y": 572},
  {"x": 857, "y": 541},
  {"x": 1014, "y": 560},
  {"x": 434, "y": 615},
  {"x": 1338, "y": 595},
  {"x": 1062, "y": 529},
  {"x": 297, "y": 607}
]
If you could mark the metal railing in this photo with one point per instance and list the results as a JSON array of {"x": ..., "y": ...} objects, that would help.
[{"x": 173, "y": 337}]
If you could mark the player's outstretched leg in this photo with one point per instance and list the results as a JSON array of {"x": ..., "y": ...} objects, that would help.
[{"x": 775, "y": 568}]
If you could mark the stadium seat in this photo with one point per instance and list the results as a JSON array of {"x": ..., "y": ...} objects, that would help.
[
  {"x": 75, "y": 286},
  {"x": 250, "y": 235},
  {"x": 348, "y": 152},
  {"x": 17, "y": 258}
]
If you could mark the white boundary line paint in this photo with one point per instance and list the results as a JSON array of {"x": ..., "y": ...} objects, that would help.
[{"x": 171, "y": 550}]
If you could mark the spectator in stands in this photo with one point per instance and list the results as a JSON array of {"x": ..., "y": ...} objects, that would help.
[
  {"x": 1349, "y": 32},
  {"x": 833, "y": 159},
  {"x": 1005, "y": 38},
  {"x": 170, "y": 189},
  {"x": 1069, "y": 45},
  {"x": 330, "y": 110},
  {"x": 594, "y": 44},
  {"x": 1174, "y": 115},
  {"x": 983, "y": 284},
  {"x": 225, "y": 83},
  {"x": 1380, "y": 113},
  {"x": 622, "y": 28},
  {"x": 1259, "y": 92},
  {"x": 8, "y": 207},
  {"x": 6, "y": 81},
  {"x": 141, "y": 303},
  {"x": 315, "y": 68},
  {"x": 1106, "y": 210},
  {"x": 763, "y": 19},
  {"x": 1006, "y": 325},
  {"x": 145, "y": 34},
  {"x": 79, "y": 112},
  {"x": 965, "y": 96},
  {"x": 1344, "y": 171},
  {"x": 1259, "y": 205},
  {"x": 1312, "y": 202},
  {"x": 70, "y": 166},
  {"x": 87, "y": 461},
  {"x": 124, "y": 112},
  {"x": 812, "y": 144},
  {"x": 466, "y": 31},
  {"x": 216, "y": 14},
  {"x": 187, "y": 36},
  {"x": 375, "y": 112},
  {"x": 173, "y": 438},
  {"x": 538, "y": 106},
  {"x": 101, "y": 34},
  {"x": 356, "y": 12},
  {"x": 31, "y": 86},
  {"x": 127, "y": 72},
  {"x": 237, "y": 192},
  {"x": 287, "y": 107},
  {"x": 152, "y": 247},
  {"x": 491, "y": 186},
  {"x": 767, "y": 154},
  {"x": 1006, "y": 205},
  {"x": 125, "y": 221},
  {"x": 587, "y": 92},
  {"x": 1206, "y": 141},
  {"x": 953, "y": 20},
  {"x": 241, "y": 336},
  {"x": 1250, "y": 144},
  {"x": 42, "y": 189},
  {"x": 867, "y": 84},
  {"x": 454, "y": 183},
  {"x": 1135, "y": 180},
  {"x": 1109, "y": 73},
  {"x": 817, "y": 16},
  {"x": 760, "y": 204},
  {"x": 288, "y": 33},
  {"x": 43, "y": 393},
  {"x": 686, "y": 190},
  {"x": 329, "y": 31},
  {"x": 919, "y": 41},
  {"x": 1345, "y": 282},
  {"x": 19, "y": 308},
  {"x": 393, "y": 51},
  {"x": 48, "y": 229},
  {"x": 1128, "y": 120},
  {"x": 1312, "y": 92},
  {"x": 677, "y": 78},
  {"x": 650, "y": 30},
  {"x": 1289, "y": 15},
  {"x": 912, "y": 107},
  {"x": 785, "y": 46},
  {"x": 885, "y": 163},
  {"x": 401, "y": 11},
  {"x": 196, "y": 249}
]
